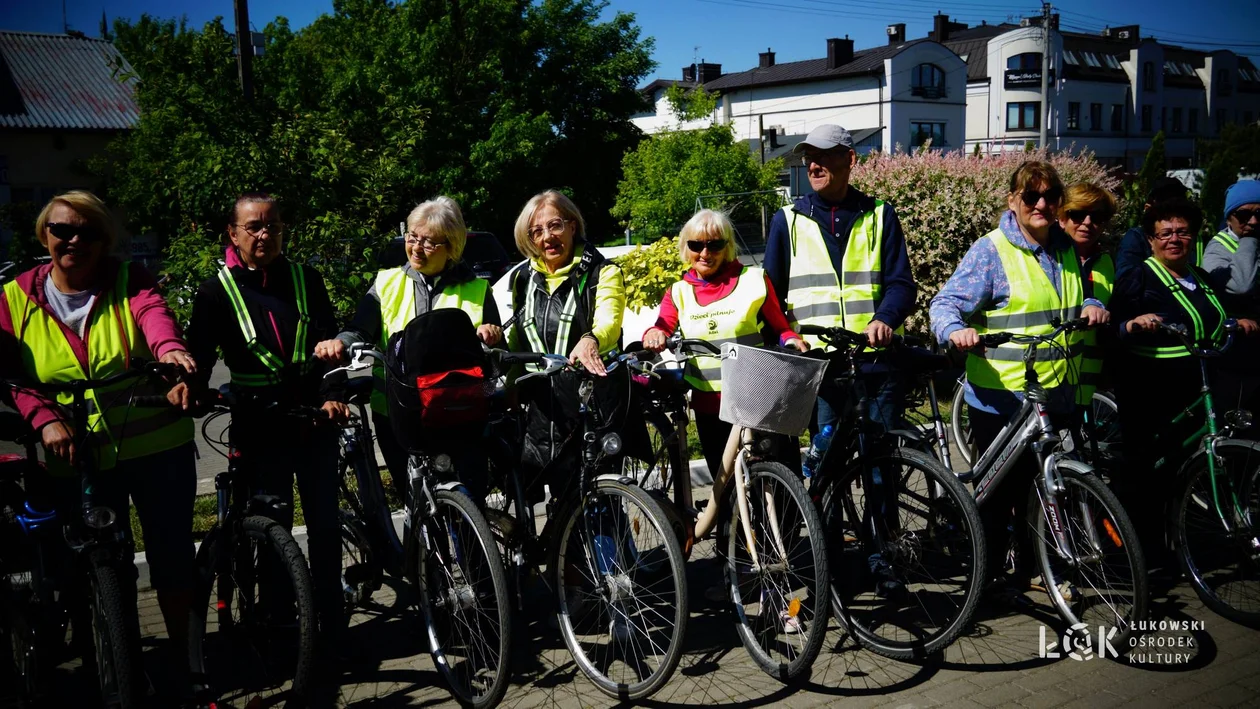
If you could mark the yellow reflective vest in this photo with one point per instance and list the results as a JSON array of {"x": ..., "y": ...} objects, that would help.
[
  {"x": 120, "y": 432},
  {"x": 729, "y": 319},
  {"x": 1031, "y": 308},
  {"x": 816, "y": 294},
  {"x": 397, "y": 294},
  {"x": 1103, "y": 275}
]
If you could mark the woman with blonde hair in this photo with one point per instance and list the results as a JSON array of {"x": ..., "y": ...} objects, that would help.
[{"x": 1087, "y": 210}]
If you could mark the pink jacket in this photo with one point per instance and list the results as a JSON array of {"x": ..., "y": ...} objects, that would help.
[{"x": 148, "y": 307}]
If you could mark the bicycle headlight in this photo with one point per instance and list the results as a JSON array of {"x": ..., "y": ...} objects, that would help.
[
  {"x": 611, "y": 445},
  {"x": 442, "y": 463},
  {"x": 99, "y": 518},
  {"x": 765, "y": 445},
  {"x": 1238, "y": 418}
]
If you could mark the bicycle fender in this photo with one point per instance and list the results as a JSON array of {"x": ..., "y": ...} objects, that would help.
[
  {"x": 265, "y": 505},
  {"x": 915, "y": 437},
  {"x": 617, "y": 477},
  {"x": 1199, "y": 452},
  {"x": 450, "y": 486}
]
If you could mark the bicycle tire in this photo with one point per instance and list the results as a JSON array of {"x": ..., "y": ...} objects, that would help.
[
  {"x": 649, "y": 566},
  {"x": 1221, "y": 565},
  {"x": 937, "y": 544},
  {"x": 285, "y": 645},
  {"x": 116, "y": 638},
  {"x": 460, "y": 587},
  {"x": 805, "y": 608},
  {"x": 361, "y": 572},
  {"x": 1078, "y": 589},
  {"x": 959, "y": 426}
]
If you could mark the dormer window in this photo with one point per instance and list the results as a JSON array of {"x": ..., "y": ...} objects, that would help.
[{"x": 927, "y": 81}]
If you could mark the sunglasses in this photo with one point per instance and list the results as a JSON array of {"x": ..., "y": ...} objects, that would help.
[
  {"x": 1096, "y": 218},
  {"x": 713, "y": 246},
  {"x": 66, "y": 232},
  {"x": 1246, "y": 215},
  {"x": 1030, "y": 198}
]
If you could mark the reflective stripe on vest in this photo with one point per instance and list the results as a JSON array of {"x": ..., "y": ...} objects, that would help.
[
  {"x": 268, "y": 359},
  {"x": 1032, "y": 306},
  {"x": 113, "y": 337},
  {"x": 730, "y": 319},
  {"x": 1103, "y": 275},
  {"x": 1224, "y": 238},
  {"x": 397, "y": 294},
  {"x": 1179, "y": 294},
  {"x": 817, "y": 295}
]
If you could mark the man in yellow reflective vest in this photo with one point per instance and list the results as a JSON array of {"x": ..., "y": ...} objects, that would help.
[
  {"x": 1019, "y": 278},
  {"x": 1232, "y": 260},
  {"x": 265, "y": 313}
]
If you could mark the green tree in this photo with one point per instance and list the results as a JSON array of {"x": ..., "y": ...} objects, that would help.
[
  {"x": 1237, "y": 151},
  {"x": 1154, "y": 166}
]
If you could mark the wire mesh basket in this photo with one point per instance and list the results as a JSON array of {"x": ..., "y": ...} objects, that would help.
[{"x": 768, "y": 390}]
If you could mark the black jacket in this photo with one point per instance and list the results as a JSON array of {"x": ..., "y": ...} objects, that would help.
[{"x": 366, "y": 324}]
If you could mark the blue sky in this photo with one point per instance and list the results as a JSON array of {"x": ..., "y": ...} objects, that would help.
[{"x": 732, "y": 32}]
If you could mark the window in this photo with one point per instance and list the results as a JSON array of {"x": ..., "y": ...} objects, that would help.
[
  {"x": 1095, "y": 116},
  {"x": 1163, "y": 118},
  {"x": 1070, "y": 58},
  {"x": 920, "y": 133},
  {"x": 1176, "y": 126},
  {"x": 1074, "y": 116},
  {"x": 1172, "y": 68},
  {"x": 1091, "y": 59},
  {"x": 1117, "y": 117},
  {"x": 1221, "y": 117},
  {"x": 1224, "y": 87},
  {"x": 1186, "y": 68},
  {"x": 1023, "y": 115},
  {"x": 1111, "y": 61},
  {"x": 1148, "y": 113},
  {"x": 1193, "y": 124},
  {"x": 1028, "y": 61},
  {"x": 1247, "y": 118},
  {"x": 1148, "y": 76},
  {"x": 928, "y": 81}
]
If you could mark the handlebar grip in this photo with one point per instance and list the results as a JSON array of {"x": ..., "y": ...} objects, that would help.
[
  {"x": 814, "y": 330},
  {"x": 699, "y": 344},
  {"x": 642, "y": 355},
  {"x": 520, "y": 357},
  {"x": 153, "y": 401}
]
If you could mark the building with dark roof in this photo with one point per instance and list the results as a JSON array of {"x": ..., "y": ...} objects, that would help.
[{"x": 62, "y": 99}]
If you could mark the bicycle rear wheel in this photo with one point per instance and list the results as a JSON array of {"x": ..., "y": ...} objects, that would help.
[
  {"x": 1102, "y": 582},
  {"x": 921, "y": 592},
  {"x": 464, "y": 593},
  {"x": 622, "y": 592},
  {"x": 257, "y": 605},
  {"x": 361, "y": 571},
  {"x": 116, "y": 636},
  {"x": 960, "y": 424},
  {"x": 1220, "y": 551},
  {"x": 779, "y": 586}
]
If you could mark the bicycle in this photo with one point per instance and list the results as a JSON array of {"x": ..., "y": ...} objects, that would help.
[
  {"x": 45, "y": 595},
  {"x": 776, "y": 562},
  {"x": 1092, "y": 566},
  {"x": 449, "y": 554},
  {"x": 1212, "y": 519},
  {"x": 905, "y": 537},
  {"x": 614, "y": 563},
  {"x": 251, "y": 572}
]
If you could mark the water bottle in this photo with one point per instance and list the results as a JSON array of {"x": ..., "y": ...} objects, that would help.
[{"x": 817, "y": 448}]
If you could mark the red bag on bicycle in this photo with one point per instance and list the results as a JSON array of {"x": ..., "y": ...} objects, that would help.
[{"x": 452, "y": 398}]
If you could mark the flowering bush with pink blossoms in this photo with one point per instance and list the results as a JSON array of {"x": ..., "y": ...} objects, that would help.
[{"x": 946, "y": 201}]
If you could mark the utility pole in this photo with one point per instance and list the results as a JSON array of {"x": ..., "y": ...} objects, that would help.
[
  {"x": 244, "y": 49},
  {"x": 1045, "y": 70}
]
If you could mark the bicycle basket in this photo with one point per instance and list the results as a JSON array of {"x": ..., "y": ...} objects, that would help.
[{"x": 768, "y": 390}]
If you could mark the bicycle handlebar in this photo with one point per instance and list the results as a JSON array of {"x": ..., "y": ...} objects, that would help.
[
  {"x": 994, "y": 339},
  {"x": 1181, "y": 333},
  {"x": 138, "y": 369}
]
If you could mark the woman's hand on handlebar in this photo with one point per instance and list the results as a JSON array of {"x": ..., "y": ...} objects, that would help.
[
  {"x": 878, "y": 334},
  {"x": 1095, "y": 315},
  {"x": 1143, "y": 323},
  {"x": 181, "y": 396},
  {"x": 655, "y": 340},
  {"x": 332, "y": 351},
  {"x": 58, "y": 440},
  {"x": 796, "y": 343},
  {"x": 587, "y": 352},
  {"x": 965, "y": 339},
  {"x": 1248, "y": 326},
  {"x": 491, "y": 335},
  {"x": 337, "y": 411},
  {"x": 181, "y": 358}
]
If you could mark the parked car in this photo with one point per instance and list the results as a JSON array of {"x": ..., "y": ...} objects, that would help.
[{"x": 482, "y": 251}]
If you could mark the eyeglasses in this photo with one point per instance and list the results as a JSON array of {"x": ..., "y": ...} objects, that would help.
[
  {"x": 1031, "y": 198},
  {"x": 427, "y": 243},
  {"x": 256, "y": 228},
  {"x": 811, "y": 156},
  {"x": 1179, "y": 234},
  {"x": 66, "y": 232},
  {"x": 713, "y": 245},
  {"x": 1246, "y": 215},
  {"x": 554, "y": 227},
  {"x": 1095, "y": 218}
]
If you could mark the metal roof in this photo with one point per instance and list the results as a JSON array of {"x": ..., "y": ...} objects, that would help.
[
  {"x": 866, "y": 61},
  {"x": 64, "y": 82}
]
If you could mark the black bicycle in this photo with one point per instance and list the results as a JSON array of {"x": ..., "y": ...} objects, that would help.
[
  {"x": 255, "y": 601},
  {"x": 71, "y": 568}
]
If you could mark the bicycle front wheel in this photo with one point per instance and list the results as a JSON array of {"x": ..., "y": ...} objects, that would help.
[
  {"x": 960, "y": 424},
  {"x": 778, "y": 578},
  {"x": 1097, "y": 577},
  {"x": 463, "y": 590},
  {"x": 622, "y": 590},
  {"x": 116, "y": 636},
  {"x": 1214, "y": 529},
  {"x": 908, "y": 559}
]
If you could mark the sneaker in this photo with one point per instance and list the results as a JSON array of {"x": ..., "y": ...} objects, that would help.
[
  {"x": 791, "y": 624},
  {"x": 887, "y": 585}
]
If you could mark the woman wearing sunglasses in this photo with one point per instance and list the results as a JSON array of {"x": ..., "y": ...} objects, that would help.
[
  {"x": 719, "y": 300},
  {"x": 1087, "y": 210},
  {"x": 88, "y": 314}
]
